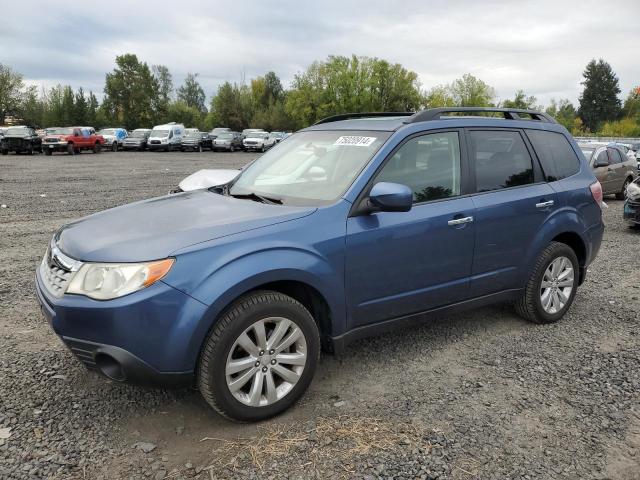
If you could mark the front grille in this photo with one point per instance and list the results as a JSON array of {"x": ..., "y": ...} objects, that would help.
[
  {"x": 54, "y": 277},
  {"x": 51, "y": 140},
  {"x": 155, "y": 142},
  {"x": 15, "y": 142}
]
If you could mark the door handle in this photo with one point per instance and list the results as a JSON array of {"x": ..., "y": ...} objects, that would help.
[
  {"x": 545, "y": 204},
  {"x": 459, "y": 221}
]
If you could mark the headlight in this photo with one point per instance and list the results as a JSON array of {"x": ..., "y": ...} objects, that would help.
[{"x": 104, "y": 281}]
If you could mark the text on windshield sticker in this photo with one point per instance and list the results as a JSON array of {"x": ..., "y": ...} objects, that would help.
[{"x": 355, "y": 141}]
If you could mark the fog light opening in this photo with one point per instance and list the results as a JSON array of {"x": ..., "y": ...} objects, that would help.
[{"x": 110, "y": 367}]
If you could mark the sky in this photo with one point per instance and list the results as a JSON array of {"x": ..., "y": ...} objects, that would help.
[{"x": 539, "y": 46}]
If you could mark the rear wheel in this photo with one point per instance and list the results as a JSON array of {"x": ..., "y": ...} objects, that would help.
[
  {"x": 200, "y": 149},
  {"x": 97, "y": 148},
  {"x": 622, "y": 194},
  {"x": 71, "y": 149},
  {"x": 48, "y": 152},
  {"x": 259, "y": 357},
  {"x": 552, "y": 286},
  {"x": 114, "y": 147}
]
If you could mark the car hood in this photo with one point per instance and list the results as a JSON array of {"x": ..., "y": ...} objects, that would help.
[
  {"x": 208, "y": 178},
  {"x": 155, "y": 228}
]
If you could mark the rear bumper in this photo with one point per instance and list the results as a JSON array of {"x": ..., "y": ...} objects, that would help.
[{"x": 146, "y": 338}]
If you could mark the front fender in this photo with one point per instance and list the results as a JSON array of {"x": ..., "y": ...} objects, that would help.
[{"x": 233, "y": 277}]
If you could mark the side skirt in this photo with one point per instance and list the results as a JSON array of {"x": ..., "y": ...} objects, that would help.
[{"x": 339, "y": 343}]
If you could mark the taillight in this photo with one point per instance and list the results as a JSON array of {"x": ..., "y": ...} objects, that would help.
[{"x": 596, "y": 191}]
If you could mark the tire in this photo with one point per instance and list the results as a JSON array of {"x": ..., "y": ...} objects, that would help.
[
  {"x": 263, "y": 149},
  {"x": 114, "y": 147},
  {"x": 5, "y": 152},
  {"x": 232, "y": 149},
  {"x": 70, "y": 149},
  {"x": 221, "y": 344},
  {"x": 48, "y": 152},
  {"x": 200, "y": 149},
  {"x": 97, "y": 148},
  {"x": 530, "y": 304},
  {"x": 622, "y": 194},
  {"x": 30, "y": 151}
]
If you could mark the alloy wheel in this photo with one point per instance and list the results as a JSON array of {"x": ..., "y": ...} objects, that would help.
[
  {"x": 266, "y": 361},
  {"x": 557, "y": 285}
]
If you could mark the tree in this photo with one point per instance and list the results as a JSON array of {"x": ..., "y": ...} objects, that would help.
[
  {"x": 230, "y": 107},
  {"x": 599, "y": 101},
  {"x": 564, "y": 112},
  {"x": 180, "y": 112},
  {"x": 32, "y": 107},
  {"x": 631, "y": 107},
  {"x": 351, "y": 84},
  {"x": 467, "y": 91},
  {"x": 11, "y": 86},
  {"x": 626, "y": 127},
  {"x": 522, "y": 101},
  {"x": 92, "y": 111},
  {"x": 192, "y": 94},
  {"x": 165, "y": 92},
  {"x": 68, "y": 106},
  {"x": 131, "y": 92},
  {"x": 81, "y": 110}
]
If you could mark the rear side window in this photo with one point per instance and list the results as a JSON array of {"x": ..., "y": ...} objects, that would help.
[
  {"x": 555, "y": 153},
  {"x": 615, "y": 155},
  {"x": 501, "y": 160}
]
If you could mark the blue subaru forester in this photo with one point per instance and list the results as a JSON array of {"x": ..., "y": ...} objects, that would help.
[{"x": 356, "y": 225}]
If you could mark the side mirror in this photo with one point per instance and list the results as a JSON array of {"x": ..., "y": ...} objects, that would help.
[
  {"x": 76, "y": 134},
  {"x": 391, "y": 197}
]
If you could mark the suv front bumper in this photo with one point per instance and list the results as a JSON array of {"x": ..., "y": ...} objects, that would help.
[{"x": 144, "y": 338}]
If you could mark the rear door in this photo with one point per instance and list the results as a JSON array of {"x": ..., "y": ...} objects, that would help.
[
  {"x": 617, "y": 168},
  {"x": 511, "y": 201},
  {"x": 604, "y": 173}
]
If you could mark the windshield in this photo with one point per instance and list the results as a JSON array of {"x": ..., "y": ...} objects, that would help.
[
  {"x": 139, "y": 134},
  {"x": 192, "y": 134},
  {"x": 107, "y": 131},
  {"x": 225, "y": 135},
  {"x": 310, "y": 168},
  {"x": 159, "y": 133},
  {"x": 587, "y": 152},
  {"x": 257, "y": 135},
  {"x": 219, "y": 130},
  {"x": 60, "y": 131},
  {"x": 16, "y": 131}
]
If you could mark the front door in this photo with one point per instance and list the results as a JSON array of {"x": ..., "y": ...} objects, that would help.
[{"x": 399, "y": 263}]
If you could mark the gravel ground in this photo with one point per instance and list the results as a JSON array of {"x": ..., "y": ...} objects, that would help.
[{"x": 481, "y": 395}]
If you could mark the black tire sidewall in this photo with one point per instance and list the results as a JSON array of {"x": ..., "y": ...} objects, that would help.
[
  {"x": 558, "y": 250},
  {"x": 273, "y": 308}
]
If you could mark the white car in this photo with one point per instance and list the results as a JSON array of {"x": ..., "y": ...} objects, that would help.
[
  {"x": 166, "y": 137},
  {"x": 258, "y": 141},
  {"x": 113, "y": 137}
]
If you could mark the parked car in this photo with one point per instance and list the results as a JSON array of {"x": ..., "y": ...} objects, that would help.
[
  {"x": 2, "y": 131},
  {"x": 353, "y": 226},
  {"x": 166, "y": 137},
  {"x": 137, "y": 140},
  {"x": 279, "y": 136},
  {"x": 258, "y": 141},
  {"x": 20, "y": 139},
  {"x": 196, "y": 141},
  {"x": 230, "y": 141},
  {"x": 613, "y": 169},
  {"x": 217, "y": 131},
  {"x": 247, "y": 131},
  {"x": 72, "y": 140},
  {"x": 631, "y": 212},
  {"x": 113, "y": 137}
]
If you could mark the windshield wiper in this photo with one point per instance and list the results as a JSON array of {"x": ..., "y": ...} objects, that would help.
[{"x": 258, "y": 198}]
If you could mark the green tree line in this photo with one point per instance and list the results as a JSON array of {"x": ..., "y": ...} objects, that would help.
[{"x": 138, "y": 95}]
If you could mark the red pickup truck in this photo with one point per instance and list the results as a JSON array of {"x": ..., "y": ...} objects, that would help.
[{"x": 71, "y": 140}]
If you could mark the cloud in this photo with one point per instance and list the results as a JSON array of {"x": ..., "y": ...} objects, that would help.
[{"x": 539, "y": 46}]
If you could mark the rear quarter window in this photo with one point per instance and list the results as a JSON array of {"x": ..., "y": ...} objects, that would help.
[{"x": 555, "y": 153}]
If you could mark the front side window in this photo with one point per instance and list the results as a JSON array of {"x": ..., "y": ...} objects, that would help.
[
  {"x": 310, "y": 168},
  {"x": 429, "y": 165},
  {"x": 555, "y": 153},
  {"x": 615, "y": 155},
  {"x": 603, "y": 158},
  {"x": 500, "y": 160}
]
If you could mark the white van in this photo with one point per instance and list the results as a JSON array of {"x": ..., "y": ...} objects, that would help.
[{"x": 166, "y": 137}]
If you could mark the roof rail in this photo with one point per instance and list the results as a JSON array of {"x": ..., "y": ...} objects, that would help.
[
  {"x": 348, "y": 116},
  {"x": 508, "y": 113}
]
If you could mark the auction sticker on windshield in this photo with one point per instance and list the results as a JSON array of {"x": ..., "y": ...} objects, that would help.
[{"x": 355, "y": 141}]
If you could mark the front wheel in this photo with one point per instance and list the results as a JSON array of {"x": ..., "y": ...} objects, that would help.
[
  {"x": 71, "y": 149},
  {"x": 114, "y": 147},
  {"x": 552, "y": 286},
  {"x": 97, "y": 148},
  {"x": 622, "y": 194},
  {"x": 260, "y": 357}
]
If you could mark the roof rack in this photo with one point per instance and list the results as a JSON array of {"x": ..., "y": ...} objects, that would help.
[
  {"x": 508, "y": 113},
  {"x": 348, "y": 116}
]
